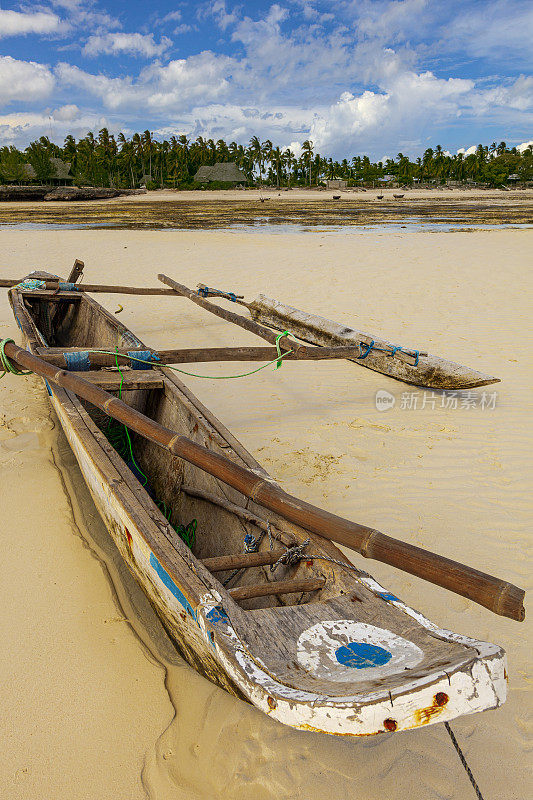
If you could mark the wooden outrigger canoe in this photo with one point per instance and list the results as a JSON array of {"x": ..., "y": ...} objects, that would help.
[
  {"x": 311, "y": 640},
  {"x": 404, "y": 364}
]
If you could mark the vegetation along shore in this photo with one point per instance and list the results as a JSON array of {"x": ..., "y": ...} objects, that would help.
[{"x": 107, "y": 160}]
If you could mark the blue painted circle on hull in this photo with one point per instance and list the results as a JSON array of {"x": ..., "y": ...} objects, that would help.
[{"x": 361, "y": 655}]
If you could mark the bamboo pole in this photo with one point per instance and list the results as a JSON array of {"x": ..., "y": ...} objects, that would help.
[
  {"x": 230, "y": 316},
  {"x": 495, "y": 594},
  {"x": 196, "y": 355}
]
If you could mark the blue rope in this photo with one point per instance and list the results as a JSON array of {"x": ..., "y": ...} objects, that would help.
[
  {"x": 31, "y": 283},
  {"x": 203, "y": 291},
  {"x": 232, "y": 297},
  {"x": 395, "y": 348},
  {"x": 142, "y": 359},
  {"x": 78, "y": 362},
  {"x": 368, "y": 350},
  {"x": 68, "y": 287}
]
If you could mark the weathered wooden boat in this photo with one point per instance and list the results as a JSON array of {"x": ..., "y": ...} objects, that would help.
[
  {"x": 273, "y": 613},
  {"x": 403, "y": 363}
]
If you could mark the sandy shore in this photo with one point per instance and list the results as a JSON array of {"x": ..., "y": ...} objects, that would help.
[{"x": 96, "y": 704}]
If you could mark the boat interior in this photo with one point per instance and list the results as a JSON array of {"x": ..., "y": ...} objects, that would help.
[{"x": 180, "y": 491}]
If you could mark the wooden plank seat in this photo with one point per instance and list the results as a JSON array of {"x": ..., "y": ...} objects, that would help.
[
  {"x": 136, "y": 379},
  {"x": 277, "y": 587},
  {"x": 242, "y": 560}
]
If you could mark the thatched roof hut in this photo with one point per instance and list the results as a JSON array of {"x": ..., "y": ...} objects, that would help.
[
  {"x": 224, "y": 171},
  {"x": 59, "y": 174}
]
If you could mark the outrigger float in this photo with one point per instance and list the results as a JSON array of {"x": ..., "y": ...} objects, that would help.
[
  {"x": 246, "y": 578},
  {"x": 330, "y": 339}
]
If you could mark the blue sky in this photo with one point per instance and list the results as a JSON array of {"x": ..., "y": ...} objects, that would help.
[{"x": 355, "y": 76}]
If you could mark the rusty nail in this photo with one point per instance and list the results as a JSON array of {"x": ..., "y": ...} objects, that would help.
[
  {"x": 441, "y": 698},
  {"x": 390, "y": 724},
  {"x": 271, "y": 703}
]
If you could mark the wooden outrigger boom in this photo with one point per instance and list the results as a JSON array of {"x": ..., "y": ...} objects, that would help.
[{"x": 329, "y": 338}]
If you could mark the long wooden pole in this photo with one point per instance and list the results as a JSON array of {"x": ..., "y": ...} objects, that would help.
[
  {"x": 96, "y": 288},
  {"x": 495, "y": 594},
  {"x": 223, "y": 313},
  {"x": 195, "y": 355}
]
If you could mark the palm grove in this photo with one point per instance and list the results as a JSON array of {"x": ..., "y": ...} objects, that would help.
[{"x": 122, "y": 162}]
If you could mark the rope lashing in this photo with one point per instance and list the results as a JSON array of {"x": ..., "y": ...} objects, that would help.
[
  {"x": 368, "y": 350},
  {"x": 68, "y": 287},
  {"x": 5, "y": 363},
  {"x": 142, "y": 359},
  {"x": 251, "y": 544},
  {"x": 78, "y": 362},
  {"x": 205, "y": 291},
  {"x": 390, "y": 351},
  {"x": 278, "y": 348},
  {"x": 292, "y": 556}
]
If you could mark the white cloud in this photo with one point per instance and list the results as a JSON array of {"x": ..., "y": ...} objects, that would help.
[
  {"x": 66, "y": 113},
  {"x": 218, "y": 10},
  {"x": 20, "y": 128},
  {"x": 25, "y": 81},
  {"x": 392, "y": 21},
  {"x": 409, "y": 102},
  {"x": 172, "y": 87},
  {"x": 17, "y": 23},
  {"x": 130, "y": 43},
  {"x": 172, "y": 16},
  {"x": 492, "y": 29},
  {"x": 524, "y": 146}
]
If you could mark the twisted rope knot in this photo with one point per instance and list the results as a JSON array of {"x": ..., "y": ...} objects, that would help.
[{"x": 293, "y": 555}]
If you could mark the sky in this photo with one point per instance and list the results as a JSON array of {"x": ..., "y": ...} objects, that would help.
[{"x": 374, "y": 77}]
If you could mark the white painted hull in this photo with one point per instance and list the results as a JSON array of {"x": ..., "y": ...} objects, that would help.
[{"x": 198, "y": 623}]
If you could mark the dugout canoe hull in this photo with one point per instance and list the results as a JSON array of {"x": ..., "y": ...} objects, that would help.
[
  {"x": 348, "y": 659},
  {"x": 431, "y": 371}
]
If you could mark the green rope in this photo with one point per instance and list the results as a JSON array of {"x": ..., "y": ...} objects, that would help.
[
  {"x": 277, "y": 361},
  {"x": 126, "y": 431},
  {"x": 6, "y": 364}
]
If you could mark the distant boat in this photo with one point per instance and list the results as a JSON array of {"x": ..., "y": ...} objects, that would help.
[{"x": 398, "y": 196}]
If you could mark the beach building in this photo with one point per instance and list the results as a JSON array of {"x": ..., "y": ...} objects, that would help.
[
  {"x": 59, "y": 173},
  {"x": 223, "y": 172},
  {"x": 336, "y": 183}
]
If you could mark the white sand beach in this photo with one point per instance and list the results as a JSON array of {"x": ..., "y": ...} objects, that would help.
[{"x": 96, "y": 701}]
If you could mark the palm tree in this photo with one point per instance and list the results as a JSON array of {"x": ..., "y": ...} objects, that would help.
[
  {"x": 256, "y": 154},
  {"x": 307, "y": 151}
]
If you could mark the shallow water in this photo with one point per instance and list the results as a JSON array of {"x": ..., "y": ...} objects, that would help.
[{"x": 263, "y": 225}]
